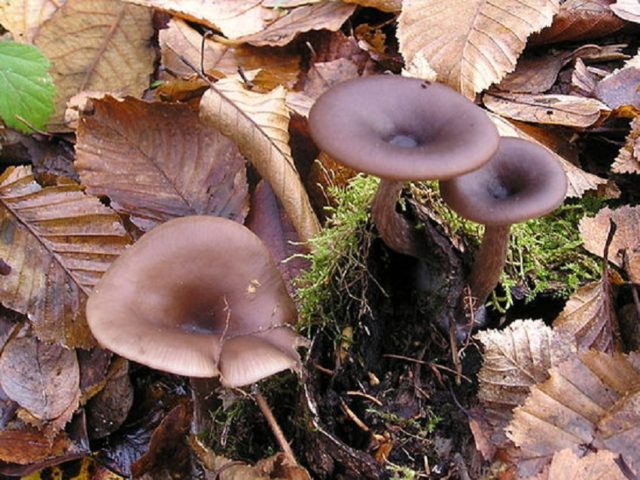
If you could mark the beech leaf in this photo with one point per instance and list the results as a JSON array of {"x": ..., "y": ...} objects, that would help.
[
  {"x": 625, "y": 246},
  {"x": 42, "y": 378},
  {"x": 158, "y": 161},
  {"x": 97, "y": 45},
  {"x": 470, "y": 43},
  {"x": 565, "y": 465},
  {"x": 23, "y": 18},
  {"x": 58, "y": 241},
  {"x": 258, "y": 123},
  {"x": 628, "y": 159},
  {"x": 30, "y": 446}
]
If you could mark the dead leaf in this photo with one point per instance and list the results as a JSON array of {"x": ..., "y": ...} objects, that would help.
[
  {"x": 580, "y": 20},
  {"x": 626, "y": 241},
  {"x": 563, "y": 412},
  {"x": 158, "y": 161},
  {"x": 628, "y": 159},
  {"x": 23, "y": 18},
  {"x": 94, "y": 365},
  {"x": 565, "y": 465},
  {"x": 259, "y": 125},
  {"x": 324, "y": 75},
  {"x": 282, "y": 65},
  {"x": 98, "y": 45},
  {"x": 579, "y": 180},
  {"x": 470, "y": 43},
  {"x": 319, "y": 16},
  {"x": 234, "y": 19},
  {"x": 590, "y": 317},
  {"x": 59, "y": 241},
  {"x": 620, "y": 89},
  {"x": 627, "y": 9},
  {"x": 46, "y": 391},
  {"x": 514, "y": 360},
  {"x": 28, "y": 446},
  {"x": 566, "y": 110},
  {"x": 583, "y": 82},
  {"x": 383, "y": 5}
]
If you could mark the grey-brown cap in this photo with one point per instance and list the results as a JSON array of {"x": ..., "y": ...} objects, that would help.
[
  {"x": 521, "y": 181},
  {"x": 402, "y": 129},
  {"x": 187, "y": 289}
]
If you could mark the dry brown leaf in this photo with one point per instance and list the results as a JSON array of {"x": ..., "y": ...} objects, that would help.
[
  {"x": 620, "y": 89},
  {"x": 627, "y": 9},
  {"x": 470, "y": 43},
  {"x": 181, "y": 39},
  {"x": 58, "y": 241},
  {"x": 384, "y": 5},
  {"x": 323, "y": 75},
  {"x": 158, "y": 161},
  {"x": 628, "y": 159},
  {"x": 23, "y": 18},
  {"x": 566, "y": 110},
  {"x": 590, "y": 317},
  {"x": 625, "y": 247},
  {"x": 583, "y": 82},
  {"x": 28, "y": 446},
  {"x": 579, "y": 180},
  {"x": 99, "y": 45},
  {"x": 319, "y": 16},
  {"x": 593, "y": 466},
  {"x": 563, "y": 412},
  {"x": 232, "y": 18},
  {"x": 514, "y": 360},
  {"x": 42, "y": 378},
  {"x": 258, "y": 123},
  {"x": 619, "y": 430},
  {"x": 580, "y": 20}
]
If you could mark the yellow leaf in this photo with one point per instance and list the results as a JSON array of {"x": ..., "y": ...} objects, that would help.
[
  {"x": 98, "y": 45},
  {"x": 58, "y": 242},
  {"x": 258, "y": 123},
  {"x": 470, "y": 43}
]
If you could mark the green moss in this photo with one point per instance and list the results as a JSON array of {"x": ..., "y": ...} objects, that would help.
[{"x": 334, "y": 286}]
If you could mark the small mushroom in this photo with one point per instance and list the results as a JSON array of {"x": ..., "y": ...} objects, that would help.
[
  {"x": 401, "y": 129},
  {"x": 198, "y": 296},
  {"x": 521, "y": 181}
]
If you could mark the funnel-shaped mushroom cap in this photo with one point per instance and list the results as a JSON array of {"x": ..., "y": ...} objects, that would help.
[
  {"x": 402, "y": 129},
  {"x": 521, "y": 181},
  {"x": 186, "y": 290}
]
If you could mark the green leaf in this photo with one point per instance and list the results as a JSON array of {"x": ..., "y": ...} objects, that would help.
[{"x": 26, "y": 88}]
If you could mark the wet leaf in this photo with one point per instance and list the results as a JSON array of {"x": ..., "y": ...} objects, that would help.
[
  {"x": 259, "y": 125},
  {"x": 470, "y": 43},
  {"x": 26, "y": 86},
  {"x": 599, "y": 465},
  {"x": 628, "y": 159},
  {"x": 58, "y": 241},
  {"x": 28, "y": 446},
  {"x": 514, "y": 360},
  {"x": 563, "y": 412},
  {"x": 620, "y": 89},
  {"x": 566, "y": 110},
  {"x": 318, "y": 16},
  {"x": 98, "y": 45},
  {"x": 579, "y": 180},
  {"x": 625, "y": 247},
  {"x": 627, "y": 9},
  {"x": 580, "y": 20},
  {"x": 590, "y": 317},
  {"x": 23, "y": 18},
  {"x": 46, "y": 391},
  {"x": 158, "y": 161},
  {"x": 94, "y": 365}
]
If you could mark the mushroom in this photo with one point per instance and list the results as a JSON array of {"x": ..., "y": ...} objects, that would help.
[
  {"x": 401, "y": 129},
  {"x": 198, "y": 296},
  {"x": 521, "y": 181}
]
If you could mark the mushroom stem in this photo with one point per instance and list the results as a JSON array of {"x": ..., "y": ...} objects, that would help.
[
  {"x": 204, "y": 401},
  {"x": 489, "y": 262},
  {"x": 273, "y": 424},
  {"x": 394, "y": 229}
]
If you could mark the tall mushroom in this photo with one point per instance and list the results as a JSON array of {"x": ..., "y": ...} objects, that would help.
[
  {"x": 521, "y": 181},
  {"x": 401, "y": 129},
  {"x": 198, "y": 296}
]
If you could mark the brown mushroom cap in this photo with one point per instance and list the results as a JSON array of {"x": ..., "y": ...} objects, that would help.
[
  {"x": 521, "y": 181},
  {"x": 175, "y": 299},
  {"x": 402, "y": 129}
]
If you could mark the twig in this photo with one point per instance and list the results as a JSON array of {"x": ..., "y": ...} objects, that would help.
[
  {"x": 453, "y": 343},
  {"x": 207, "y": 34},
  {"x": 355, "y": 393},
  {"x": 273, "y": 424},
  {"x": 345, "y": 408}
]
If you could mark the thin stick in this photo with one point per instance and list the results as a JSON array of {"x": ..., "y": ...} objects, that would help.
[{"x": 273, "y": 424}]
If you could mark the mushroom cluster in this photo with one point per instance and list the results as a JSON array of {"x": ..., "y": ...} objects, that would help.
[
  {"x": 405, "y": 129},
  {"x": 198, "y": 296}
]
